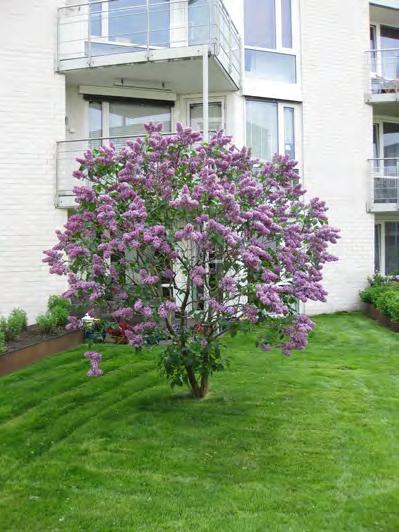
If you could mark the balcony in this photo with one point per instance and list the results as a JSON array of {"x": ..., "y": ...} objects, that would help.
[
  {"x": 158, "y": 41},
  {"x": 384, "y": 175},
  {"x": 384, "y": 76},
  {"x": 67, "y": 153}
]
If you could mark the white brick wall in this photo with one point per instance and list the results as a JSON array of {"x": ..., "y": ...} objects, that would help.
[
  {"x": 337, "y": 128},
  {"x": 31, "y": 120}
]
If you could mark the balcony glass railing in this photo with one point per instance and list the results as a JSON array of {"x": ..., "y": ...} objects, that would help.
[
  {"x": 111, "y": 29},
  {"x": 67, "y": 153},
  {"x": 384, "y": 181},
  {"x": 384, "y": 71}
]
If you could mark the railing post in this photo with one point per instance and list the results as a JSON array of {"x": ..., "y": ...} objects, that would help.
[
  {"x": 396, "y": 183},
  {"x": 89, "y": 56},
  {"x": 205, "y": 93},
  {"x": 148, "y": 28}
]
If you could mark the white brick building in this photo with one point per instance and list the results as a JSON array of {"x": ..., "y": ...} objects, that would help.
[{"x": 318, "y": 80}]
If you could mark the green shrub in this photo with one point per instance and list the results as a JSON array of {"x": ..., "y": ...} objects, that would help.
[
  {"x": 56, "y": 302},
  {"x": 12, "y": 326},
  {"x": 60, "y": 316},
  {"x": 46, "y": 323},
  {"x": 2, "y": 342}
]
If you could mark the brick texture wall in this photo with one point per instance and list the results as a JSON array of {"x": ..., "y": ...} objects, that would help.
[
  {"x": 32, "y": 112},
  {"x": 337, "y": 129}
]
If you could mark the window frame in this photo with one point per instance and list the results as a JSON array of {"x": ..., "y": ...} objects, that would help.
[
  {"x": 382, "y": 248},
  {"x": 105, "y": 114},
  {"x": 215, "y": 99},
  {"x": 294, "y": 50},
  {"x": 281, "y": 105}
]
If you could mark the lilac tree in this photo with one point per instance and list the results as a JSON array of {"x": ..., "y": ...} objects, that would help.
[{"x": 191, "y": 240}]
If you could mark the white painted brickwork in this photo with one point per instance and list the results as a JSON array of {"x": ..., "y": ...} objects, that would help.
[
  {"x": 32, "y": 104},
  {"x": 337, "y": 127}
]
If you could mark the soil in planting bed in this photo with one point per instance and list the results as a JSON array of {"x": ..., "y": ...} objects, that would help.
[{"x": 31, "y": 336}]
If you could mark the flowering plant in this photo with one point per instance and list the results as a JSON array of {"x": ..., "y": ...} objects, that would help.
[
  {"x": 95, "y": 359},
  {"x": 193, "y": 239}
]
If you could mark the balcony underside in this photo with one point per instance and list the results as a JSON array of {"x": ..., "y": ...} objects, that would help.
[
  {"x": 384, "y": 207},
  {"x": 385, "y": 104},
  {"x": 178, "y": 69}
]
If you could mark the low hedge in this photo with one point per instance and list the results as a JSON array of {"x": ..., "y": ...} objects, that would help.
[{"x": 383, "y": 294}]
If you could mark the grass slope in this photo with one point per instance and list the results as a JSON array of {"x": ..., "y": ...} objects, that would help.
[{"x": 302, "y": 444}]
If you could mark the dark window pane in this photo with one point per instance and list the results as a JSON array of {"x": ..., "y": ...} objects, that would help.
[
  {"x": 271, "y": 65},
  {"x": 391, "y": 248},
  {"x": 391, "y": 139},
  {"x": 390, "y": 58},
  {"x": 262, "y": 128},
  {"x": 376, "y": 141},
  {"x": 286, "y": 23},
  {"x": 377, "y": 248},
  {"x": 260, "y": 23}
]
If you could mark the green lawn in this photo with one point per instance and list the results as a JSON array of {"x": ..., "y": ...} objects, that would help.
[{"x": 309, "y": 443}]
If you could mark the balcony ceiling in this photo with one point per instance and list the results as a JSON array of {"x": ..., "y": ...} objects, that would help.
[
  {"x": 387, "y": 109},
  {"x": 183, "y": 76}
]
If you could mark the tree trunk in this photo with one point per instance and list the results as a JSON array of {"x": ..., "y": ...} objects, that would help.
[{"x": 199, "y": 391}]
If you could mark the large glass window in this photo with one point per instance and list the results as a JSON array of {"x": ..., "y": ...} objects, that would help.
[
  {"x": 390, "y": 57},
  {"x": 215, "y": 116},
  {"x": 391, "y": 248},
  {"x": 262, "y": 128},
  {"x": 270, "y": 128},
  {"x": 268, "y": 35},
  {"x": 260, "y": 23},
  {"x": 271, "y": 65},
  {"x": 127, "y": 118}
]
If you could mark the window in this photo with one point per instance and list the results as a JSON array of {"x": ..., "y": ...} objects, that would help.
[
  {"x": 386, "y": 247},
  {"x": 126, "y": 118},
  {"x": 260, "y": 23},
  {"x": 270, "y": 128},
  {"x": 289, "y": 132},
  {"x": 215, "y": 112},
  {"x": 268, "y": 39},
  {"x": 116, "y": 118},
  {"x": 262, "y": 128},
  {"x": 377, "y": 248},
  {"x": 391, "y": 248}
]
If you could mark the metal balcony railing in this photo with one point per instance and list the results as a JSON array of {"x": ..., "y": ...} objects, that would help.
[
  {"x": 384, "y": 71},
  {"x": 67, "y": 153},
  {"x": 112, "y": 29},
  {"x": 384, "y": 182}
]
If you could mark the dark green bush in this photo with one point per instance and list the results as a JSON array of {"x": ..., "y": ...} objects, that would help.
[
  {"x": 392, "y": 305},
  {"x": 383, "y": 294}
]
